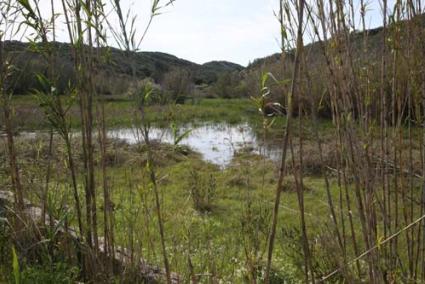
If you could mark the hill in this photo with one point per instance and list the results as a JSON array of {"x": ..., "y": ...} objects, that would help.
[
  {"x": 361, "y": 54},
  {"x": 209, "y": 72},
  {"x": 114, "y": 71},
  {"x": 314, "y": 51}
]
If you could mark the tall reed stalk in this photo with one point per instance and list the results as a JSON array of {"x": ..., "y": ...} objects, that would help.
[
  {"x": 8, "y": 22},
  {"x": 300, "y": 18}
]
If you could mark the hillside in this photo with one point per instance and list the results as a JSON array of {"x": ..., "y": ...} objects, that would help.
[
  {"x": 365, "y": 49},
  {"x": 372, "y": 38},
  {"x": 314, "y": 52},
  {"x": 209, "y": 72},
  {"x": 116, "y": 66}
]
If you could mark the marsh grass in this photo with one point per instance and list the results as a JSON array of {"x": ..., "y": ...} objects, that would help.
[
  {"x": 343, "y": 205},
  {"x": 234, "y": 203},
  {"x": 120, "y": 113}
]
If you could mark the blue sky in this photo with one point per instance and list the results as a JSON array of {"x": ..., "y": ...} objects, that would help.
[{"x": 204, "y": 30}]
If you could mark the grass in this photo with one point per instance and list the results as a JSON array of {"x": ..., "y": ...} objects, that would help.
[
  {"x": 233, "y": 230},
  {"x": 217, "y": 232},
  {"x": 215, "y": 240},
  {"x": 121, "y": 112}
]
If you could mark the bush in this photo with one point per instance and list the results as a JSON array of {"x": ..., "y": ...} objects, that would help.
[
  {"x": 157, "y": 97},
  {"x": 230, "y": 85},
  {"x": 178, "y": 84}
]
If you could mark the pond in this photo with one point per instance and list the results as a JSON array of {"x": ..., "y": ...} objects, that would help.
[{"x": 217, "y": 142}]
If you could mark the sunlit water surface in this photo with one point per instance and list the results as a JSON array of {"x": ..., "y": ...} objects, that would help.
[{"x": 217, "y": 142}]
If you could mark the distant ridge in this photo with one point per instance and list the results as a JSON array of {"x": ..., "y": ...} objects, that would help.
[{"x": 117, "y": 64}]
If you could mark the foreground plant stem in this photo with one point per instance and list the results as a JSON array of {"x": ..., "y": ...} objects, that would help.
[
  {"x": 285, "y": 143},
  {"x": 153, "y": 180},
  {"x": 7, "y": 113}
]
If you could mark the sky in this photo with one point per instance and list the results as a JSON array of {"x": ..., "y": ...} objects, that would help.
[
  {"x": 233, "y": 30},
  {"x": 204, "y": 30}
]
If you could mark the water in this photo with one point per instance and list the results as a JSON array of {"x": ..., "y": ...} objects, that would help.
[{"x": 217, "y": 142}]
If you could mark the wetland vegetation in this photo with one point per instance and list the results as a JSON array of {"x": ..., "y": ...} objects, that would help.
[{"x": 174, "y": 173}]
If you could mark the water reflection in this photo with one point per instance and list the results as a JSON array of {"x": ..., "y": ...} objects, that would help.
[{"x": 217, "y": 142}]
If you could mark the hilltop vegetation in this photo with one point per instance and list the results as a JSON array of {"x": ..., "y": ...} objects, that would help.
[{"x": 117, "y": 70}]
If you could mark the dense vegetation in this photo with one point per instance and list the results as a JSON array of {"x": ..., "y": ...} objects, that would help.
[
  {"x": 343, "y": 200},
  {"x": 117, "y": 70}
]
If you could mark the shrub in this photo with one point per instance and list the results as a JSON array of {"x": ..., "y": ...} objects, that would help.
[
  {"x": 178, "y": 84},
  {"x": 157, "y": 96},
  {"x": 229, "y": 85}
]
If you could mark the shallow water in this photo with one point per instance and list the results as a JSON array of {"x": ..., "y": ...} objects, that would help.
[{"x": 217, "y": 142}]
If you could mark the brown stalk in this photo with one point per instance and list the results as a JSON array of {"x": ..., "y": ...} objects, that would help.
[{"x": 285, "y": 143}]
